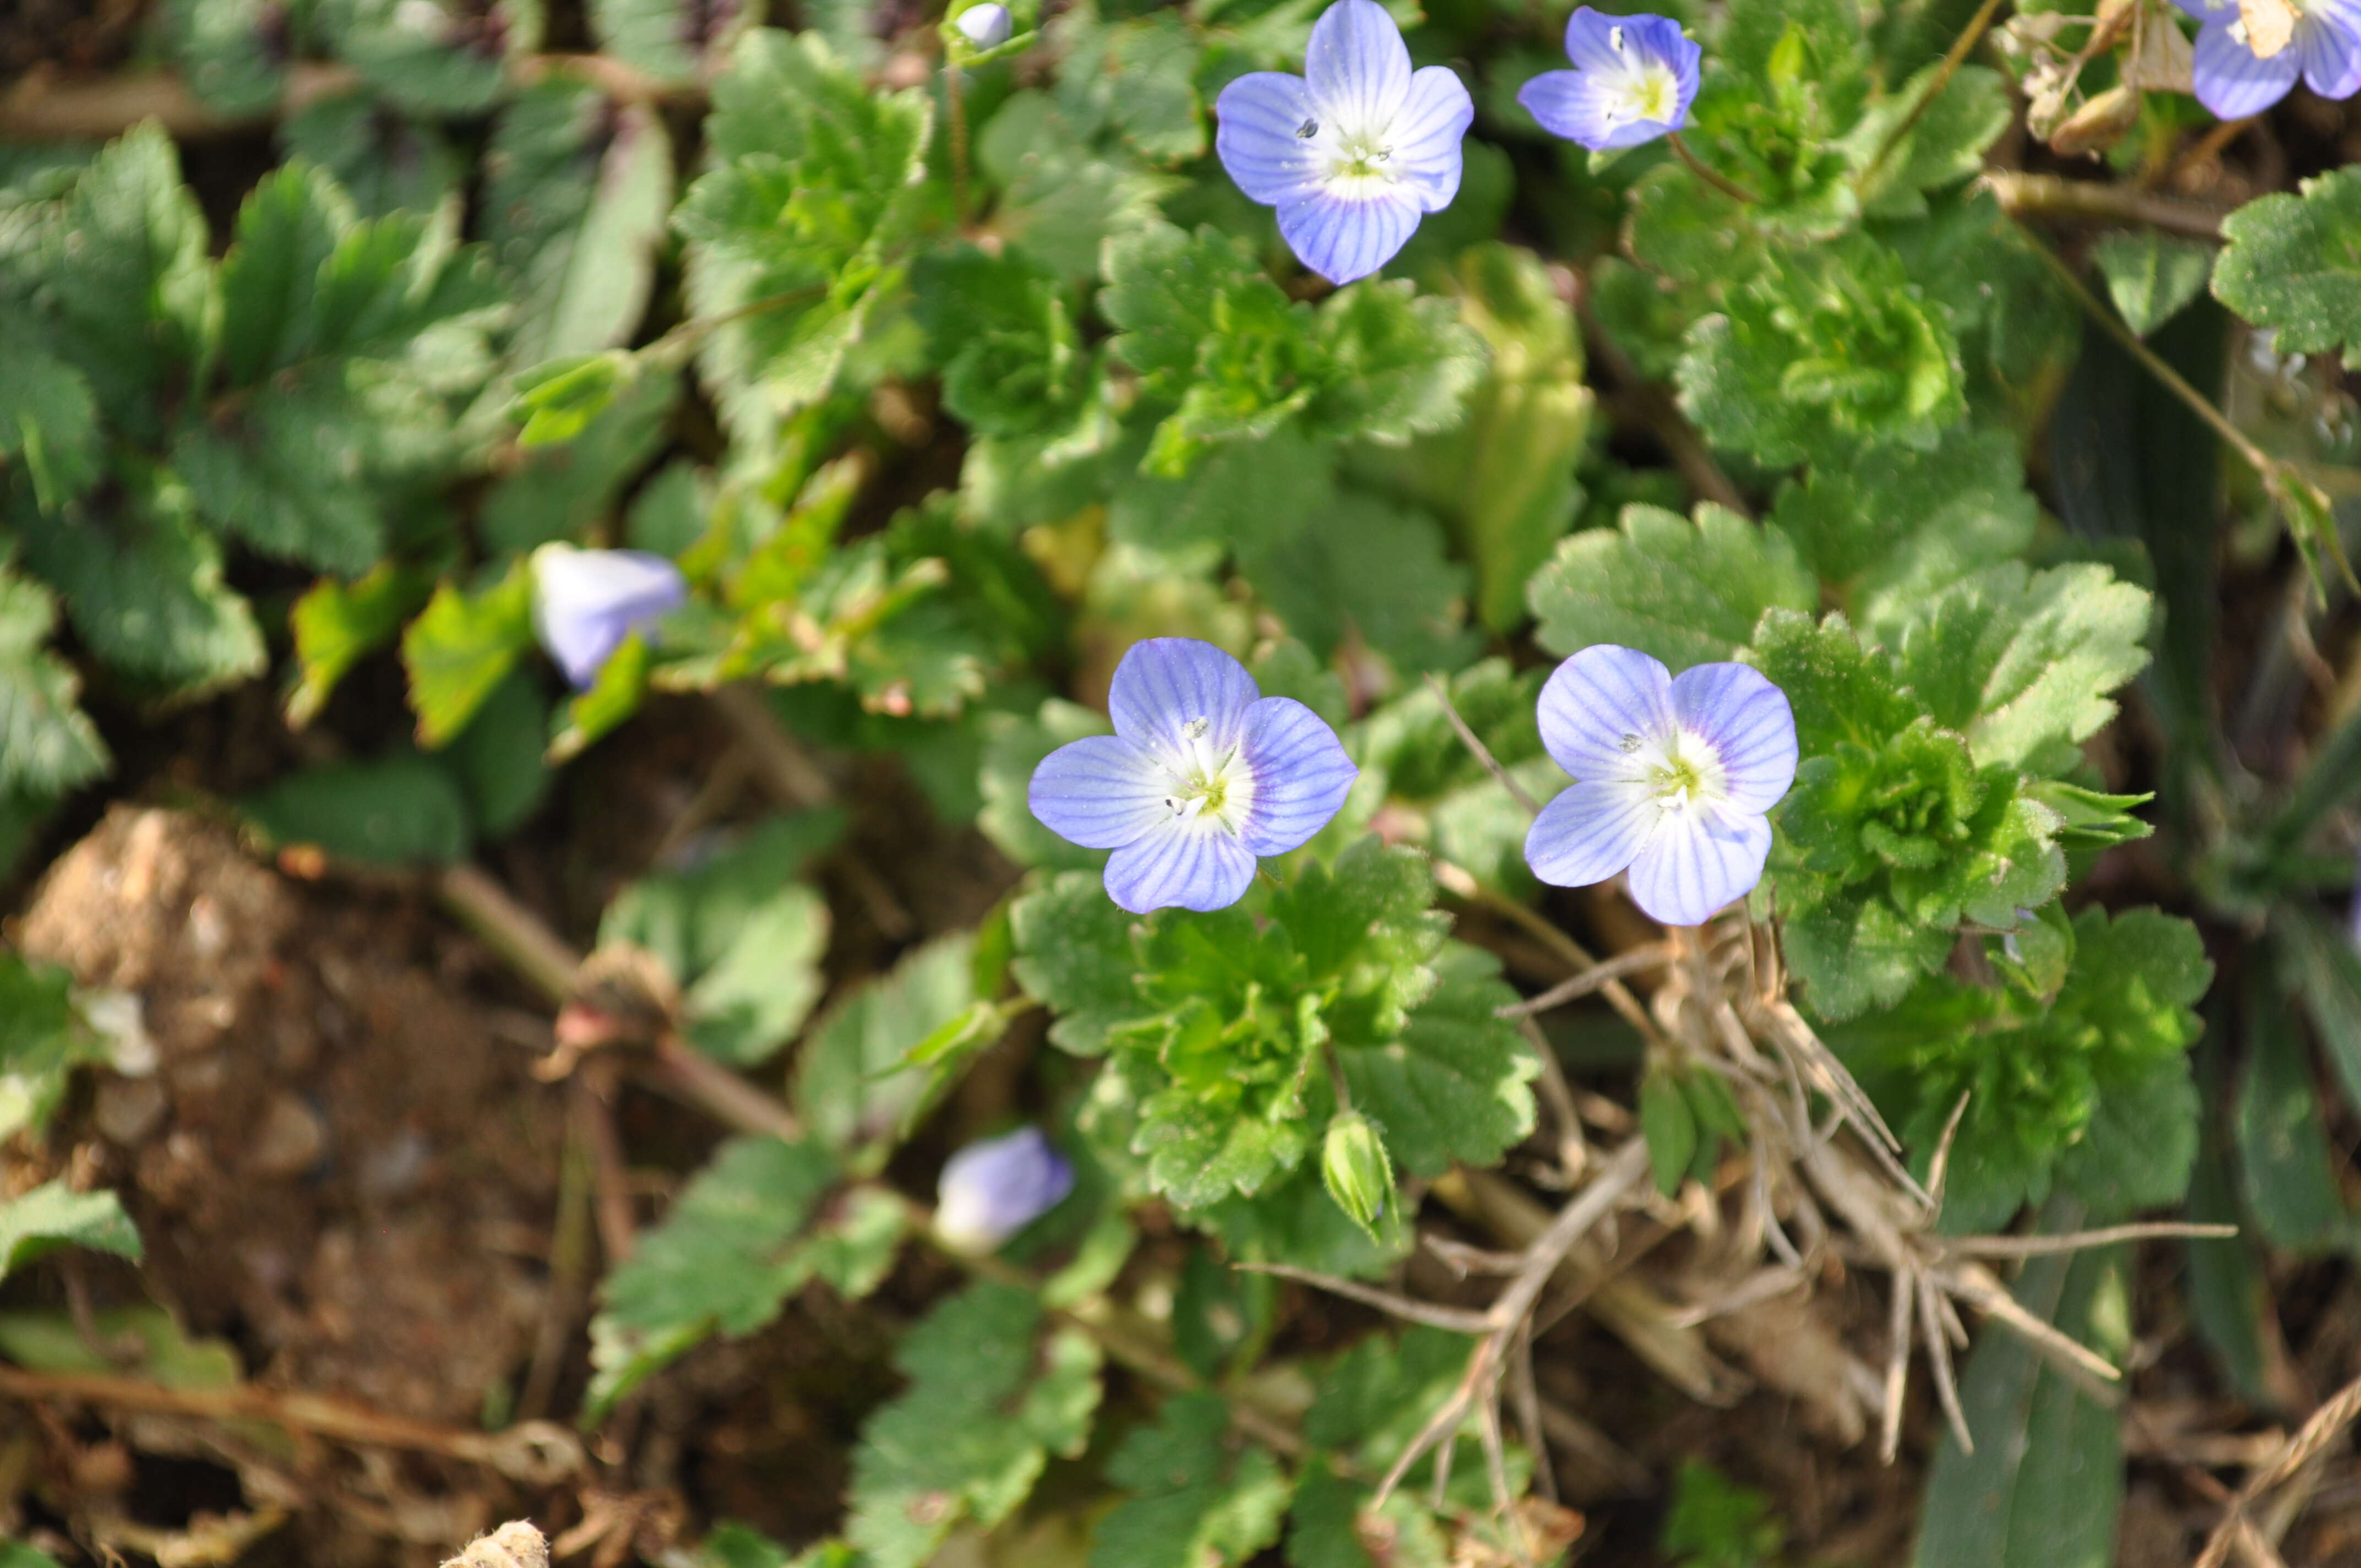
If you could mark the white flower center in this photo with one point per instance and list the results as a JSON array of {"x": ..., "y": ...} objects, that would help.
[
  {"x": 1214, "y": 789},
  {"x": 1642, "y": 90},
  {"x": 1683, "y": 771}
]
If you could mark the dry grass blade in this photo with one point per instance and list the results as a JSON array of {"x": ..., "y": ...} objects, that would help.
[
  {"x": 1651, "y": 956},
  {"x": 2236, "y": 1528},
  {"x": 1459, "y": 1320},
  {"x": 1482, "y": 754}
]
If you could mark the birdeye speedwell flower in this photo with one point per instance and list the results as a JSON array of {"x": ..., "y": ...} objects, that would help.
[
  {"x": 585, "y": 602},
  {"x": 1202, "y": 773},
  {"x": 991, "y": 1190},
  {"x": 1672, "y": 777},
  {"x": 1353, "y": 152},
  {"x": 987, "y": 26},
  {"x": 2249, "y": 52},
  {"x": 1632, "y": 81}
]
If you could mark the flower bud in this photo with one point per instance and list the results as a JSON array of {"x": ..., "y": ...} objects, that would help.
[
  {"x": 1354, "y": 1165},
  {"x": 585, "y": 602},
  {"x": 985, "y": 26},
  {"x": 992, "y": 1189}
]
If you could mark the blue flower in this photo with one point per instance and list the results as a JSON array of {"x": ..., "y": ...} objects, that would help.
[
  {"x": 2249, "y": 56},
  {"x": 985, "y": 26},
  {"x": 1201, "y": 774},
  {"x": 992, "y": 1189},
  {"x": 1632, "y": 80},
  {"x": 1355, "y": 150},
  {"x": 1671, "y": 779},
  {"x": 585, "y": 602}
]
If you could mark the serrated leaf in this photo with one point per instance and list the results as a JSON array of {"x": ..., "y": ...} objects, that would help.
[
  {"x": 335, "y": 624},
  {"x": 2293, "y": 264},
  {"x": 673, "y": 41},
  {"x": 1396, "y": 365},
  {"x": 401, "y": 809},
  {"x": 1451, "y": 1088},
  {"x": 563, "y": 487},
  {"x": 988, "y": 1403},
  {"x": 1136, "y": 75},
  {"x": 1004, "y": 333},
  {"x": 816, "y": 184},
  {"x": 53, "y": 1215},
  {"x": 856, "y": 1082},
  {"x": 1325, "y": 1525},
  {"x": 1945, "y": 147},
  {"x": 1073, "y": 955},
  {"x": 720, "y": 1263},
  {"x": 462, "y": 646},
  {"x": 48, "y": 745},
  {"x": 1195, "y": 1495},
  {"x": 1062, "y": 198},
  {"x": 49, "y": 419},
  {"x": 42, "y": 1040},
  {"x": 1688, "y": 593},
  {"x": 384, "y": 160},
  {"x": 750, "y": 1004},
  {"x": 2017, "y": 660},
  {"x": 576, "y": 198},
  {"x": 1362, "y": 571}
]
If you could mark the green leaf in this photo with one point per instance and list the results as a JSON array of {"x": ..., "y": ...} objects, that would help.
[
  {"x": 2318, "y": 965},
  {"x": 498, "y": 758},
  {"x": 43, "y": 1040},
  {"x": 720, "y": 1263},
  {"x": 1136, "y": 75},
  {"x": 2293, "y": 264},
  {"x": 673, "y": 41},
  {"x": 2150, "y": 275},
  {"x": 48, "y": 745},
  {"x": 2100, "y": 1067},
  {"x": 225, "y": 52},
  {"x": 433, "y": 59},
  {"x": 1451, "y": 1087},
  {"x": 1195, "y": 1497},
  {"x": 750, "y": 1004},
  {"x": 1003, "y": 331},
  {"x": 690, "y": 920},
  {"x": 461, "y": 647},
  {"x": 53, "y": 1215},
  {"x": 1885, "y": 529},
  {"x": 1364, "y": 573},
  {"x": 1504, "y": 477},
  {"x": 336, "y": 624},
  {"x": 988, "y": 1402},
  {"x": 1714, "y": 1523},
  {"x": 401, "y": 809},
  {"x": 560, "y": 488},
  {"x": 49, "y": 420},
  {"x": 2287, "y": 1168},
  {"x": 1688, "y": 593},
  {"x": 576, "y": 198},
  {"x": 152, "y": 604},
  {"x": 1396, "y": 365},
  {"x": 816, "y": 186},
  {"x": 1944, "y": 148},
  {"x": 2044, "y": 1484},
  {"x": 1671, "y": 1129},
  {"x": 1826, "y": 350},
  {"x": 383, "y": 161},
  {"x": 1061, "y": 197},
  {"x": 1073, "y": 955},
  {"x": 2017, "y": 660},
  {"x": 857, "y": 1082},
  {"x": 614, "y": 695},
  {"x": 1324, "y": 1528}
]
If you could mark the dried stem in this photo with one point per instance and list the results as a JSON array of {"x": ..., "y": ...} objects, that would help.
[
  {"x": 1653, "y": 954},
  {"x": 1720, "y": 182},
  {"x": 2326, "y": 1425},
  {"x": 2022, "y": 196},
  {"x": 1474, "y": 743}
]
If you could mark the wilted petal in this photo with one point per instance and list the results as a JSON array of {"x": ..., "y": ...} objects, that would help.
[
  {"x": 1166, "y": 684},
  {"x": 1426, "y": 135},
  {"x": 2232, "y": 83},
  {"x": 1591, "y": 831},
  {"x": 1356, "y": 64},
  {"x": 2328, "y": 40},
  {"x": 1750, "y": 725},
  {"x": 1604, "y": 708},
  {"x": 1182, "y": 863},
  {"x": 1698, "y": 860},
  {"x": 1343, "y": 238},
  {"x": 586, "y": 601},
  {"x": 992, "y": 1189},
  {"x": 1101, "y": 792},
  {"x": 1301, "y": 775},
  {"x": 1261, "y": 140}
]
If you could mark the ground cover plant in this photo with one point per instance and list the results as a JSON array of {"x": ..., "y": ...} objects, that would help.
[{"x": 1103, "y": 782}]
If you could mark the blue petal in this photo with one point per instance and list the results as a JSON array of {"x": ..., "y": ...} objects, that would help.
[
  {"x": 2225, "y": 11},
  {"x": 1749, "y": 724},
  {"x": 1165, "y": 684},
  {"x": 1590, "y": 39},
  {"x": 1598, "y": 698},
  {"x": 586, "y": 601},
  {"x": 2232, "y": 83},
  {"x": 1343, "y": 239},
  {"x": 1262, "y": 116},
  {"x": 991, "y": 1190},
  {"x": 1357, "y": 63},
  {"x": 1101, "y": 792},
  {"x": 1575, "y": 105},
  {"x": 1699, "y": 860},
  {"x": 1590, "y": 832},
  {"x": 1181, "y": 864},
  {"x": 2326, "y": 40},
  {"x": 1426, "y": 135},
  {"x": 1302, "y": 774}
]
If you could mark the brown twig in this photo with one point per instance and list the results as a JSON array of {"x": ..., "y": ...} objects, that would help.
[
  {"x": 1953, "y": 58},
  {"x": 1474, "y": 743},
  {"x": 1654, "y": 955},
  {"x": 2023, "y": 196}
]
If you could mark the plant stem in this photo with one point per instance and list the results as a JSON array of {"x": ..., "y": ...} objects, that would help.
[
  {"x": 1721, "y": 182},
  {"x": 1952, "y": 59},
  {"x": 2022, "y": 195},
  {"x": 958, "y": 108}
]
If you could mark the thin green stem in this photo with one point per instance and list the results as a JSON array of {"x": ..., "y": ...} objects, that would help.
[
  {"x": 1952, "y": 59},
  {"x": 1721, "y": 182},
  {"x": 958, "y": 109}
]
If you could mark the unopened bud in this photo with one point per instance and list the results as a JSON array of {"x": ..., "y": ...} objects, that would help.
[
  {"x": 992, "y": 1189},
  {"x": 2099, "y": 124},
  {"x": 1354, "y": 1165},
  {"x": 985, "y": 26}
]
